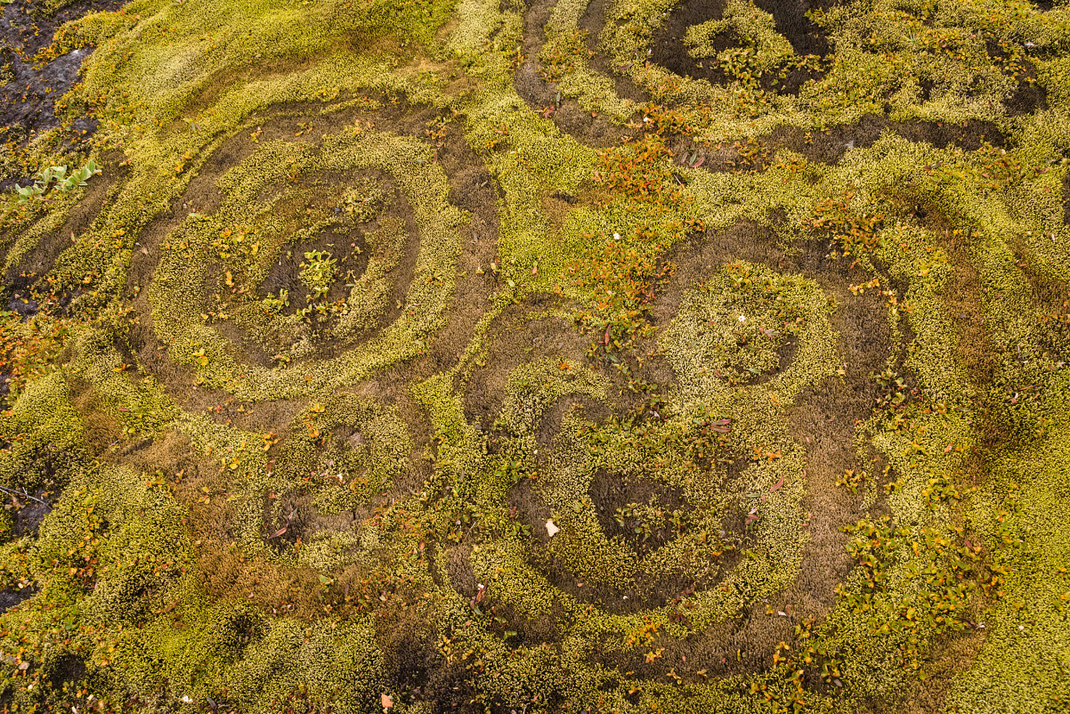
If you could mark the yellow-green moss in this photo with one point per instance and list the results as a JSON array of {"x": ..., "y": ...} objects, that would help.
[
  {"x": 44, "y": 435},
  {"x": 960, "y": 458}
]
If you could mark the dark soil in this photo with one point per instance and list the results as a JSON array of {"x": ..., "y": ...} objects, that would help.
[
  {"x": 1028, "y": 96},
  {"x": 646, "y": 591},
  {"x": 10, "y": 598},
  {"x": 805, "y": 36},
  {"x": 543, "y": 97},
  {"x": 64, "y": 670},
  {"x": 29, "y": 514},
  {"x": 1066, "y": 199},
  {"x": 29, "y": 95},
  {"x": 829, "y": 146},
  {"x": 29, "y": 508}
]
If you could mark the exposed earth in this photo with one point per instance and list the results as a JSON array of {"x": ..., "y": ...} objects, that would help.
[{"x": 535, "y": 356}]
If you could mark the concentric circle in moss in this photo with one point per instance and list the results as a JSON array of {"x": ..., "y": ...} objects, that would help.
[{"x": 291, "y": 285}]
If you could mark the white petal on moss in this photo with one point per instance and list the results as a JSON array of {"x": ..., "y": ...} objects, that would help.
[{"x": 551, "y": 528}]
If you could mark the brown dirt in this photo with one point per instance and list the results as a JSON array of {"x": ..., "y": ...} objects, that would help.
[
  {"x": 102, "y": 430},
  {"x": 963, "y": 297},
  {"x": 829, "y": 146},
  {"x": 199, "y": 484},
  {"x": 951, "y": 659},
  {"x": 544, "y": 98}
]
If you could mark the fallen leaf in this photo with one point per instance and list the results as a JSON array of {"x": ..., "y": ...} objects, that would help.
[
  {"x": 551, "y": 528},
  {"x": 387, "y": 701},
  {"x": 721, "y": 426}
]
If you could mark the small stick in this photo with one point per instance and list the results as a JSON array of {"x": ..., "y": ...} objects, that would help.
[{"x": 23, "y": 494}]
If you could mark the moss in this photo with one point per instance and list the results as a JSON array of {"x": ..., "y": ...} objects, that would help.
[
  {"x": 335, "y": 666},
  {"x": 96, "y": 547},
  {"x": 45, "y": 437},
  {"x": 1021, "y": 658},
  {"x": 345, "y": 432},
  {"x": 735, "y": 328},
  {"x": 178, "y": 306},
  {"x": 767, "y": 48}
]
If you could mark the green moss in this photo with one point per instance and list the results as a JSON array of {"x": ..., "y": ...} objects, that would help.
[
  {"x": 732, "y": 329},
  {"x": 765, "y": 48},
  {"x": 284, "y": 308},
  {"x": 45, "y": 437},
  {"x": 1021, "y": 661},
  {"x": 319, "y": 666},
  {"x": 189, "y": 253}
]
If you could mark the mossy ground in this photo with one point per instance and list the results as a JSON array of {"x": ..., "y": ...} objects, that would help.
[{"x": 548, "y": 355}]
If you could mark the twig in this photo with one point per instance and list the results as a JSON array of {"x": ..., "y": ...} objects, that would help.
[{"x": 23, "y": 494}]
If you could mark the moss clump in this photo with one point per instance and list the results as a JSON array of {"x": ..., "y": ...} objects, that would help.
[
  {"x": 742, "y": 326},
  {"x": 764, "y": 48},
  {"x": 44, "y": 437}
]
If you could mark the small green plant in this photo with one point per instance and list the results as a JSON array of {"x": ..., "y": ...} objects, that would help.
[
  {"x": 648, "y": 520},
  {"x": 364, "y": 202},
  {"x": 851, "y": 479},
  {"x": 894, "y": 391},
  {"x": 317, "y": 273},
  {"x": 58, "y": 176},
  {"x": 277, "y": 303}
]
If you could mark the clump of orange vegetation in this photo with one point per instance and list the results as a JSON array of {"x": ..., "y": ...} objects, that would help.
[{"x": 625, "y": 271}]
